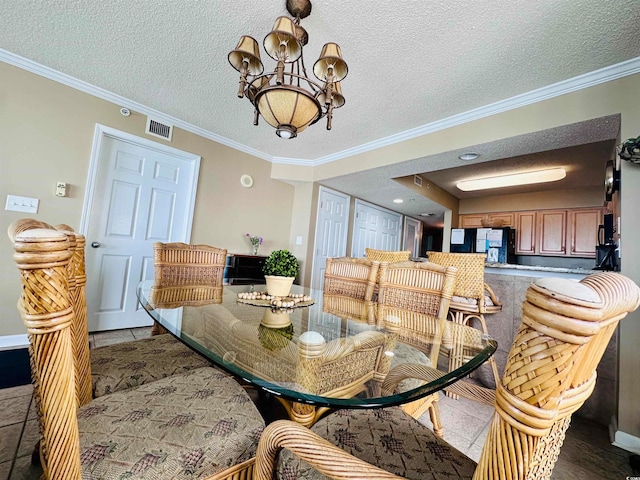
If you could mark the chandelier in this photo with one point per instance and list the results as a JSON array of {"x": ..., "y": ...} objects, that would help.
[{"x": 287, "y": 98}]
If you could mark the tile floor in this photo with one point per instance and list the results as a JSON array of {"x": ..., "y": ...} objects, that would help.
[{"x": 586, "y": 453}]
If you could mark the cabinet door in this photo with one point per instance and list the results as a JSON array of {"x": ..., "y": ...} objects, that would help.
[
  {"x": 506, "y": 217},
  {"x": 472, "y": 221},
  {"x": 583, "y": 232},
  {"x": 552, "y": 232},
  {"x": 525, "y": 233}
]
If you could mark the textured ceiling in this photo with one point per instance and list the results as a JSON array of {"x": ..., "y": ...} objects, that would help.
[{"x": 411, "y": 63}]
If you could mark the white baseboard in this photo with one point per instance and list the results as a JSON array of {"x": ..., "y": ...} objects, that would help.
[
  {"x": 13, "y": 342},
  {"x": 627, "y": 442}
]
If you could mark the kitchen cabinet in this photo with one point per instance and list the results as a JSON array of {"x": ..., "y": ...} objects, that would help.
[
  {"x": 552, "y": 232},
  {"x": 481, "y": 220},
  {"x": 471, "y": 221},
  {"x": 569, "y": 232},
  {"x": 525, "y": 225},
  {"x": 582, "y": 226}
]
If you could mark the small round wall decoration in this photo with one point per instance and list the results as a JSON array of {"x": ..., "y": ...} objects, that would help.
[{"x": 246, "y": 181}]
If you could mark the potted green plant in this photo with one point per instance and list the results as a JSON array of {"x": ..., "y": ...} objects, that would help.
[{"x": 280, "y": 270}]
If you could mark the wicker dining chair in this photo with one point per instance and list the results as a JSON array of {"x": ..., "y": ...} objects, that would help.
[
  {"x": 111, "y": 368},
  {"x": 472, "y": 300},
  {"x": 417, "y": 295},
  {"x": 200, "y": 423},
  {"x": 349, "y": 285},
  {"x": 186, "y": 274},
  {"x": 389, "y": 256},
  {"x": 550, "y": 372}
]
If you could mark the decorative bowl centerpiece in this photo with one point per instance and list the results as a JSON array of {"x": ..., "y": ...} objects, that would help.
[{"x": 280, "y": 270}]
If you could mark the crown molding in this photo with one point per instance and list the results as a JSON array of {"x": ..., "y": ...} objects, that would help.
[
  {"x": 603, "y": 75},
  {"x": 85, "y": 87},
  {"x": 607, "y": 74}
]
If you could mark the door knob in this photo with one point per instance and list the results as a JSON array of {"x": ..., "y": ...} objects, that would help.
[{"x": 95, "y": 245}]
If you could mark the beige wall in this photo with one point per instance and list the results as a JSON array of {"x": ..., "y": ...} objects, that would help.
[
  {"x": 46, "y": 134},
  {"x": 584, "y": 197}
]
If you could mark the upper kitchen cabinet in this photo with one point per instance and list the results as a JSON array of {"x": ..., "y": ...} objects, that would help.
[
  {"x": 559, "y": 232},
  {"x": 552, "y": 232},
  {"x": 482, "y": 220},
  {"x": 583, "y": 231},
  {"x": 471, "y": 221},
  {"x": 525, "y": 233}
]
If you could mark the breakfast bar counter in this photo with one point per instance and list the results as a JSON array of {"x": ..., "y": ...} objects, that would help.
[{"x": 535, "y": 271}]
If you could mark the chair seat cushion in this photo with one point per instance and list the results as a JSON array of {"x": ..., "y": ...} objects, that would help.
[
  {"x": 405, "y": 354},
  {"x": 190, "y": 425},
  {"x": 389, "y": 439},
  {"x": 126, "y": 365},
  {"x": 471, "y": 301}
]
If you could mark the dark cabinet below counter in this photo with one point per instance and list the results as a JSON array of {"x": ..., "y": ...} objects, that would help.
[{"x": 244, "y": 269}]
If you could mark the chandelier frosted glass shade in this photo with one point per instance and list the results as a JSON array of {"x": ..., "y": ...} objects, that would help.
[
  {"x": 288, "y": 109},
  {"x": 287, "y": 98}
]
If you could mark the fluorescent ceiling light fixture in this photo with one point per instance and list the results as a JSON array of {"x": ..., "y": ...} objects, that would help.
[
  {"x": 398, "y": 200},
  {"x": 527, "y": 178},
  {"x": 469, "y": 156}
]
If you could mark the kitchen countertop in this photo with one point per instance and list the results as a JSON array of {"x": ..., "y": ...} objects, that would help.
[{"x": 534, "y": 271}]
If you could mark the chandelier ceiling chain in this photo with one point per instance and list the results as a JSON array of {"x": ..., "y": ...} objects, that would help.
[{"x": 289, "y": 100}]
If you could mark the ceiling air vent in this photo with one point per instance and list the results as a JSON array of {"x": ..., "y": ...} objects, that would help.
[
  {"x": 158, "y": 129},
  {"x": 417, "y": 179}
]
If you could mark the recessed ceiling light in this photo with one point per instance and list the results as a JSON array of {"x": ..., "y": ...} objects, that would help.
[
  {"x": 398, "y": 200},
  {"x": 469, "y": 156},
  {"x": 538, "y": 176}
]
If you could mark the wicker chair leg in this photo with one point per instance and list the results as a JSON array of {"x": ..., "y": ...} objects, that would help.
[
  {"x": 434, "y": 415},
  {"x": 466, "y": 389},
  {"x": 157, "y": 329}
]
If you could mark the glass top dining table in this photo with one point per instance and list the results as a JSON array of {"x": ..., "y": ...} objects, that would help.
[{"x": 312, "y": 357}]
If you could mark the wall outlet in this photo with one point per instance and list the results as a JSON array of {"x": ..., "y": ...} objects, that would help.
[{"x": 22, "y": 204}]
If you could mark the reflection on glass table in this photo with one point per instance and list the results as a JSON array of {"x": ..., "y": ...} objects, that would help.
[{"x": 312, "y": 360}]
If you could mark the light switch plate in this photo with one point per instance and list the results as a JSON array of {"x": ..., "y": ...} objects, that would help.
[{"x": 22, "y": 204}]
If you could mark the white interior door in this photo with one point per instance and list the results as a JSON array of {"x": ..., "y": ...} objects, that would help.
[
  {"x": 331, "y": 232},
  {"x": 375, "y": 227},
  {"x": 412, "y": 238},
  {"x": 139, "y": 192}
]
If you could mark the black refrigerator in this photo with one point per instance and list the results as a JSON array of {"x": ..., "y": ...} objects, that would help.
[{"x": 499, "y": 247}]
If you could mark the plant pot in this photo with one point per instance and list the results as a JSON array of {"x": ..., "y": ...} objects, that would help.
[
  {"x": 279, "y": 286},
  {"x": 276, "y": 318}
]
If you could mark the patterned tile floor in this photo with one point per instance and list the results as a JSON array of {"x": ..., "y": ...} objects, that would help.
[{"x": 586, "y": 453}]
